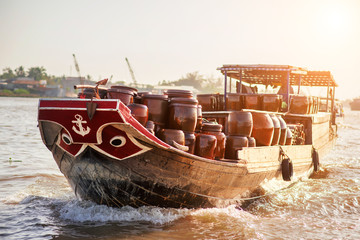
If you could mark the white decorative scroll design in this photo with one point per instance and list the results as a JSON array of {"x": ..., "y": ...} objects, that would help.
[{"x": 79, "y": 123}]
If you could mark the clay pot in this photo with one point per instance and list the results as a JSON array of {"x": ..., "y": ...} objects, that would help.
[
  {"x": 251, "y": 101},
  {"x": 134, "y": 90},
  {"x": 276, "y": 136},
  {"x": 122, "y": 93},
  {"x": 299, "y": 104},
  {"x": 288, "y": 136},
  {"x": 251, "y": 142},
  {"x": 263, "y": 128},
  {"x": 215, "y": 129},
  {"x": 233, "y": 144},
  {"x": 139, "y": 112},
  {"x": 283, "y": 127},
  {"x": 158, "y": 108},
  {"x": 190, "y": 140},
  {"x": 208, "y": 102},
  {"x": 220, "y": 106},
  {"x": 126, "y": 96},
  {"x": 233, "y": 102},
  {"x": 170, "y": 135},
  {"x": 199, "y": 118},
  {"x": 271, "y": 102},
  {"x": 183, "y": 114},
  {"x": 240, "y": 123},
  {"x": 178, "y": 93},
  {"x": 205, "y": 145}
]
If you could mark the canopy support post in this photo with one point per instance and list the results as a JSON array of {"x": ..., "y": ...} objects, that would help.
[
  {"x": 327, "y": 96},
  {"x": 288, "y": 90},
  {"x": 240, "y": 83},
  {"x": 333, "y": 113},
  {"x": 225, "y": 75}
]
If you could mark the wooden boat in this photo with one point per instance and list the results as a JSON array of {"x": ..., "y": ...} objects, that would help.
[
  {"x": 110, "y": 158},
  {"x": 355, "y": 104}
]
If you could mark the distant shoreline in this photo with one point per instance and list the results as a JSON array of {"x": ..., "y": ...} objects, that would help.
[{"x": 19, "y": 95}]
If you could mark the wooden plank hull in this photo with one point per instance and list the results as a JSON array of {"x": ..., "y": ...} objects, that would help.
[{"x": 146, "y": 171}]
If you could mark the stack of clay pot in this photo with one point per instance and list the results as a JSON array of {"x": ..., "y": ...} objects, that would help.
[
  {"x": 283, "y": 130},
  {"x": 298, "y": 133},
  {"x": 271, "y": 102},
  {"x": 174, "y": 116},
  {"x": 240, "y": 126},
  {"x": 234, "y": 102},
  {"x": 251, "y": 101},
  {"x": 124, "y": 93},
  {"x": 239, "y": 101},
  {"x": 276, "y": 134},
  {"x": 210, "y": 142},
  {"x": 263, "y": 128},
  {"x": 300, "y": 104},
  {"x": 139, "y": 112},
  {"x": 158, "y": 110},
  {"x": 279, "y": 135},
  {"x": 127, "y": 95},
  {"x": 199, "y": 118},
  {"x": 173, "y": 137},
  {"x": 211, "y": 102},
  {"x": 183, "y": 116}
]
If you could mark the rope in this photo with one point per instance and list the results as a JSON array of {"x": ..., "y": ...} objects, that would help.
[{"x": 283, "y": 154}]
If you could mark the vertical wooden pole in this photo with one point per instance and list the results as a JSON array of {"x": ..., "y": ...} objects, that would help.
[
  {"x": 333, "y": 113},
  {"x": 327, "y": 96},
  {"x": 230, "y": 85},
  {"x": 240, "y": 83},
  {"x": 225, "y": 87},
  {"x": 288, "y": 90}
]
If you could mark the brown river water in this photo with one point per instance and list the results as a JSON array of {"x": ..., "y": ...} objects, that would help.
[{"x": 36, "y": 201}]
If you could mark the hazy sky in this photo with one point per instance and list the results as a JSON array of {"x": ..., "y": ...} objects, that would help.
[{"x": 164, "y": 40}]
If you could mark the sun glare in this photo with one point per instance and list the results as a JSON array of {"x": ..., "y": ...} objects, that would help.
[{"x": 333, "y": 20}]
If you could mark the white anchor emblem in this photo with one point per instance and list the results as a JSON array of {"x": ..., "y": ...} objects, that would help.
[{"x": 79, "y": 121}]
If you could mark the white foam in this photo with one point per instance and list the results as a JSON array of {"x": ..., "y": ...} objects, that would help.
[
  {"x": 84, "y": 211},
  {"x": 230, "y": 211}
]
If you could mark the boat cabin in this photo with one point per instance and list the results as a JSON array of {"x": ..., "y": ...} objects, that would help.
[{"x": 281, "y": 95}]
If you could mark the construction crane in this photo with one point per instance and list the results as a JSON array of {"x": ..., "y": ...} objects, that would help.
[
  {"x": 78, "y": 70},
  {"x": 131, "y": 72}
]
